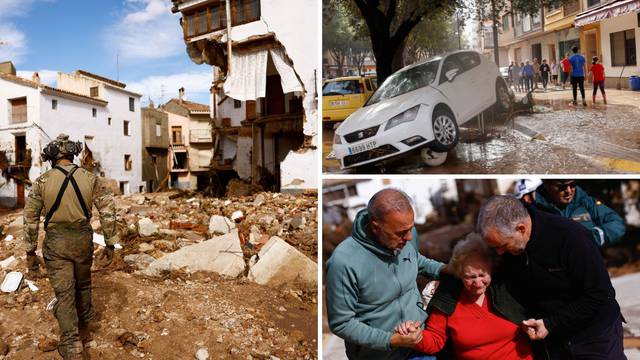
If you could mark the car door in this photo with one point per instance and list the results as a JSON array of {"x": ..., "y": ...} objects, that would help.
[{"x": 461, "y": 91}]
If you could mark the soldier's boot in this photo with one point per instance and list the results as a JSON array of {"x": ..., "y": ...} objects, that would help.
[{"x": 75, "y": 351}]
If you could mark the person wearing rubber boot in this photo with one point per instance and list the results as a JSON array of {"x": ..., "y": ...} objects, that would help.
[{"x": 65, "y": 195}]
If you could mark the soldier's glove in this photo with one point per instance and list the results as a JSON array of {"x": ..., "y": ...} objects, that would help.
[{"x": 33, "y": 262}]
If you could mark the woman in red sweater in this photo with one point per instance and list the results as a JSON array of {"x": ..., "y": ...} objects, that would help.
[
  {"x": 598, "y": 79},
  {"x": 475, "y": 328}
]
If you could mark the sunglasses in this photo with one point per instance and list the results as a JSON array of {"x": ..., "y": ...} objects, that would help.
[{"x": 565, "y": 186}]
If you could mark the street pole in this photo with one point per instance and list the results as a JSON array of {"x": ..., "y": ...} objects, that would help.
[
  {"x": 458, "y": 27},
  {"x": 228, "y": 10},
  {"x": 494, "y": 18}
]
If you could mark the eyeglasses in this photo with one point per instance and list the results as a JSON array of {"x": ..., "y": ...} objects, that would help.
[{"x": 565, "y": 186}]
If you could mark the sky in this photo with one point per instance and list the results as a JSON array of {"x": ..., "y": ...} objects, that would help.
[{"x": 138, "y": 42}]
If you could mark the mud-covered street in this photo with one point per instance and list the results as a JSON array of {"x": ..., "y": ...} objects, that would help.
[{"x": 556, "y": 138}]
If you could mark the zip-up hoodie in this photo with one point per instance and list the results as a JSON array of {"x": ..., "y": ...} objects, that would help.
[
  {"x": 606, "y": 226},
  {"x": 371, "y": 289}
]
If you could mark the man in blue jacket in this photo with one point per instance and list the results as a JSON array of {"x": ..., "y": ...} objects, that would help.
[
  {"x": 577, "y": 75},
  {"x": 371, "y": 279},
  {"x": 565, "y": 198}
]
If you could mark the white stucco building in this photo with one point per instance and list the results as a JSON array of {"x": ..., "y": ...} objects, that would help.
[
  {"x": 97, "y": 111},
  {"x": 267, "y": 88}
]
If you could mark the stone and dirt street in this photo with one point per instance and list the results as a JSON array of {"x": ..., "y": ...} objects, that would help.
[
  {"x": 557, "y": 138},
  {"x": 159, "y": 301}
]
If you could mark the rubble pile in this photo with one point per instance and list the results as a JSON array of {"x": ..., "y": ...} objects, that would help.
[{"x": 196, "y": 277}]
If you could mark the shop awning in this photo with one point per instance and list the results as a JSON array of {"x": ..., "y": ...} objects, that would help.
[
  {"x": 248, "y": 77},
  {"x": 607, "y": 11}
]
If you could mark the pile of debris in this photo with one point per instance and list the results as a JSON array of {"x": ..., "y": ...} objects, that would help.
[{"x": 194, "y": 275}]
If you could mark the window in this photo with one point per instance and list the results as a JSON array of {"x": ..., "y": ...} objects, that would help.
[
  {"x": 237, "y": 104},
  {"x": 158, "y": 129},
  {"x": 109, "y": 121},
  {"x": 505, "y": 22},
  {"x": 94, "y": 112},
  {"x": 54, "y": 104},
  {"x": 132, "y": 103},
  {"x": 623, "y": 48},
  {"x": 176, "y": 135},
  {"x": 213, "y": 17},
  {"x": 127, "y": 162},
  {"x": 125, "y": 127},
  {"x": 93, "y": 91},
  {"x": 590, "y": 3},
  {"x": 18, "y": 110}
]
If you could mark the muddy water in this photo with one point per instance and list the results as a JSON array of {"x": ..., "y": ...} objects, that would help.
[{"x": 503, "y": 151}]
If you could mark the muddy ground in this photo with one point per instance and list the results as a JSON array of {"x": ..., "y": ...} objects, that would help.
[{"x": 174, "y": 316}]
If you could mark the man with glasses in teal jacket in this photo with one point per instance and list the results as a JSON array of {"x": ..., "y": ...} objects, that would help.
[
  {"x": 371, "y": 279},
  {"x": 565, "y": 198}
]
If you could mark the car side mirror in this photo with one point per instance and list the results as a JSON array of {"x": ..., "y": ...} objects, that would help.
[{"x": 451, "y": 74}]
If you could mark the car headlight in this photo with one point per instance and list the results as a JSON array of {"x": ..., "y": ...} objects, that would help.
[
  {"x": 403, "y": 117},
  {"x": 337, "y": 139}
]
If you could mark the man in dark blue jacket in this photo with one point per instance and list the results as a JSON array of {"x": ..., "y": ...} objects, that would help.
[
  {"x": 565, "y": 198},
  {"x": 552, "y": 267}
]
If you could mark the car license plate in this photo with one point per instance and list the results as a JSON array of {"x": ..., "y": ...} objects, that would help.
[
  {"x": 362, "y": 147},
  {"x": 339, "y": 103}
]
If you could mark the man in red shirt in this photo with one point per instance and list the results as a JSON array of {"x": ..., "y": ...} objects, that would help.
[
  {"x": 566, "y": 67},
  {"x": 598, "y": 79}
]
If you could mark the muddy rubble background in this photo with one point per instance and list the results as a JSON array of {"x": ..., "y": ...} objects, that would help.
[{"x": 181, "y": 314}]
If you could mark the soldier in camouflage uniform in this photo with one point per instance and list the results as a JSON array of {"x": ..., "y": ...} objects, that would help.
[{"x": 65, "y": 194}]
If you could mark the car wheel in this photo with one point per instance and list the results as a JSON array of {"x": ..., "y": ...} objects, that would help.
[
  {"x": 445, "y": 130},
  {"x": 432, "y": 158},
  {"x": 503, "y": 99}
]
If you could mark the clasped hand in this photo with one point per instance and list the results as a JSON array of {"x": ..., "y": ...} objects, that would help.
[{"x": 407, "y": 334}]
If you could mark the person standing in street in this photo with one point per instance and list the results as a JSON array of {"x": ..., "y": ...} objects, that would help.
[
  {"x": 536, "y": 72},
  {"x": 528, "y": 73},
  {"x": 65, "y": 195},
  {"x": 597, "y": 71},
  {"x": 554, "y": 72},
  {"x": 566, "y": 68},
  {"x": 577, "y": 75},
  {"x": 517, "y": 82},
  {"x": 544, "y": 73}
]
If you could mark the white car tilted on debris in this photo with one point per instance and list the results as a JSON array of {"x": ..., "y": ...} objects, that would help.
[{"x": 420, "y": 107}]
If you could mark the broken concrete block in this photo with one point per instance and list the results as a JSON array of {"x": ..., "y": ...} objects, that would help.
[
  {"x": 145, "y": 247},
  {"x": 281, "y": 263},
  {"x": 146, "y": 227},
  {"x": 140, "y": 261},
  {"x": 138, "y": 199},
  {"x": 8, "y": 262},
  {"x": 202, "y": 354},
  {"x": 297, "y": 222},
  {"x": 221, "y": 254},
  {"x": 15, "y": 226},
  {"x": 220, "y": 225},
  {"x": 237, "y": 216},
  {"x": 259, "y": 200}
]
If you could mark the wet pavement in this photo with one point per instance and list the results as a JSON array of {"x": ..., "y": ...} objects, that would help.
[{"x": 558, "y": 138}]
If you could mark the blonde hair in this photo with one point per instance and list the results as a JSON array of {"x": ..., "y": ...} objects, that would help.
[{"x": 472, "y": 247}]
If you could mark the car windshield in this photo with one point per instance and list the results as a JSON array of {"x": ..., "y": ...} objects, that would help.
[
  {"x": 341, "y": 87},
  {"x": 405, "y": 81}
]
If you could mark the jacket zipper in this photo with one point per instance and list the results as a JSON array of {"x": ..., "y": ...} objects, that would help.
[{"x": 395, "y": 274}]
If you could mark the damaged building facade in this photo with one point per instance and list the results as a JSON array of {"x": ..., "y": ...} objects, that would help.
[
  {"x": 263, "y": 94},
  {"x": 89, "y": 108},
  {"x": 191, "y": 143}
]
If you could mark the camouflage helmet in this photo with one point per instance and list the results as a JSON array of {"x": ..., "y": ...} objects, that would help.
[{"x": 61, "y": 147}]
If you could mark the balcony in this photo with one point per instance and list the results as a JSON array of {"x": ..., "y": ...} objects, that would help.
[{"x": 200, "y": 136}]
